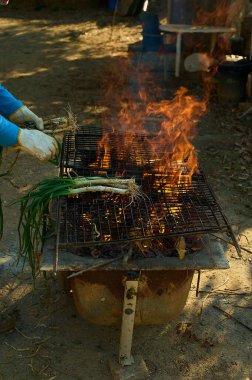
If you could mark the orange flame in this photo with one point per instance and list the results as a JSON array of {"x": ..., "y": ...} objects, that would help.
[
  {"x": 216, "y": 17},
  {"x": 223, "y": 14},
  {"x": 181, "y": 115},
  {"x": 167, "y": 145}
]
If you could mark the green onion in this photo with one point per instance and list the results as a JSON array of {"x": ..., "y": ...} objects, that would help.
[
  {"x": 35, "y": 213},
  {"x": 56, "y": 160}
]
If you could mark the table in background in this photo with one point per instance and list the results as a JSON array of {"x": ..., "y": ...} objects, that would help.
[{"x": 182, "y": 29}]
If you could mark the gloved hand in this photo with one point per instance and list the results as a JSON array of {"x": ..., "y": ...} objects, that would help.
[
  {"x": 38, "y": 144},
  {"x": 23, "y": 115}
]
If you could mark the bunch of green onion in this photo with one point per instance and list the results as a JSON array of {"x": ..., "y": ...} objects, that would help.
[{"x": 35, "y": 207}]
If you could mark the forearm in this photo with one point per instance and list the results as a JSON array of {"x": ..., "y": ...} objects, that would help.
[
  {"x": 8, "y": 132},
  {"x": 8, "y": 103}
]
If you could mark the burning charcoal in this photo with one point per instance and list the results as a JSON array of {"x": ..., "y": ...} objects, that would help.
[
  {"x": 94, "y": 252},
  {"x": 149, "y": 253},
  {"x": 128, "y": 255},
  {"x": 171, "y": 253},
  {"x": 110, "y": 251},
  {"x": 180, "y": 246},
  {"x": 142, "y": 245},
  {"x": 194, "y": 243},
  {"x": 79, "y": 251}
]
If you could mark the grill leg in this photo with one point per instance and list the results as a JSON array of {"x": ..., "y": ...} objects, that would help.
[
  {"x": 128, "y": 368},
  {"x": 128, "y": 318}
]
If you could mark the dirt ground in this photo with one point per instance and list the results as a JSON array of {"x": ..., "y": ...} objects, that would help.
[{"x": 52, "y": 59}]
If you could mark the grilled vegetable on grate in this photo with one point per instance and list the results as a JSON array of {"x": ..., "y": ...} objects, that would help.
[{"x": 34, "y": 213}]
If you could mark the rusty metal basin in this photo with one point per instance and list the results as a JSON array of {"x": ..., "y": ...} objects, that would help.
[
  {"x": 98, "y": 296},
  {"x": 164, "y": 283}
]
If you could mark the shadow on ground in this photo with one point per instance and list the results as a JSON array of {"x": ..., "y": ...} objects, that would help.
[{"x": 55, "y": 59}]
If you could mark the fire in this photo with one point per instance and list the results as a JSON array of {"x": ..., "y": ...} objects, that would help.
[
  {"x": 178, "y": 128},
  {"x": 223, "y": 13},
  {"x": 128, "y": 139},
  {"x": 216, "y": 17}
]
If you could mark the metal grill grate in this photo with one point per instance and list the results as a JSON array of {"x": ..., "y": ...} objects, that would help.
[
  {"x": 101, "y": 218},
  {"x": 128, "y": 157}
]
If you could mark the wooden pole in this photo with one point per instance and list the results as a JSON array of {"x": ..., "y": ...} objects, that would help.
[
  {"x": 178, "y": 54},
  {"x": 128, "y": 319}
]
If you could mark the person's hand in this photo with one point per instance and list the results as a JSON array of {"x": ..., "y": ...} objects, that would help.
[
  {"x": 24, "y": 115},
  {"x": 38, "y": 144}
]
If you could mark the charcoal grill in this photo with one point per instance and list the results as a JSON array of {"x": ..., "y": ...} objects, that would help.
[
  {"x": 105, "y": 292},
  {"x": 103, "y": 220},
  {"x": 165, "y": 210}
]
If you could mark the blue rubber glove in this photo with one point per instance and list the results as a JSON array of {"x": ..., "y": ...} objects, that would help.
[
  {"x": 8, "y": 132},
  {"x": 8, "y": 103}
]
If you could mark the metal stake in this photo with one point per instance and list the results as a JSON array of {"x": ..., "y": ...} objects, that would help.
[
  {"x": 128, "y": 318},
  {"x": 198, "y": 284},
  {"x": 56, "y": 255}
]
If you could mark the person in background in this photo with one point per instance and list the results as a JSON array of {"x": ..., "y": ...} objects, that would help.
[{"x": 13, "y": 116}]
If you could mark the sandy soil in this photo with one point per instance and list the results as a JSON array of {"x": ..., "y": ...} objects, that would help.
[{"x": 50, "y": 60}]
